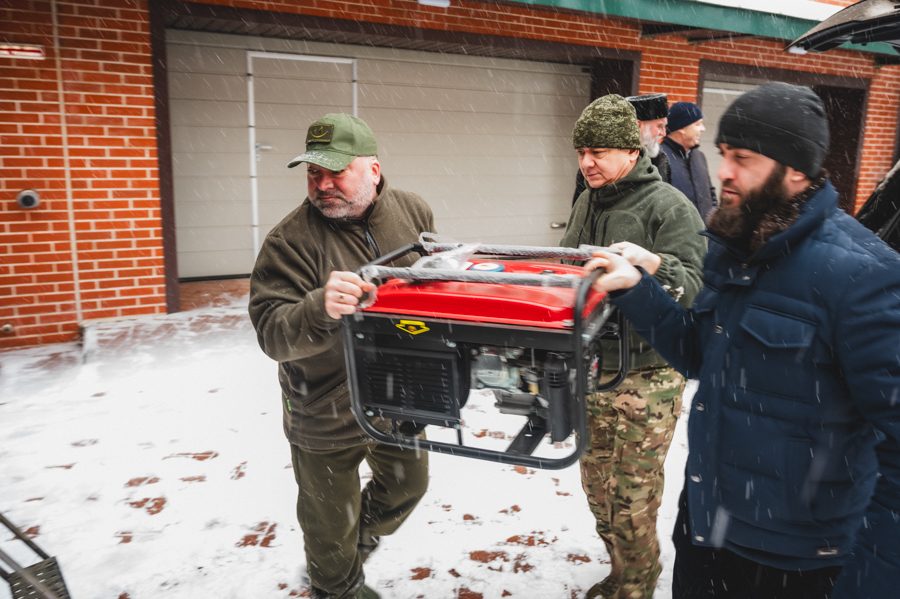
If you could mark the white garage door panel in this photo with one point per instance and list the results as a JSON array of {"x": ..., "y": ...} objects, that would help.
[
  {"x": 487, "y": 142},
  {"x": 297, "y": 116},
  {"x": 207, "y": 164},
  {"x": 207, "y": 113},
  {"x": 314, "y": 92},
  {"x": 467, "y": 145},
  {"x": 556, "y": 79},
  {"x": 223, "y": 189},
  {"x": 442, "y": 122},
  {"x": 473, "y": 101},
  {"x": 504, "y": 192},
  {"x": 208, "y": 238},
  {"x": 190, "y": 86},
  {"x": 410, "y": 166},
  {"x": 276, "y": 68},
  {"x": 193, "y": 58},
  {"x": 476, "y": 230},
  {"x": 215, "y": 213},
  {"x": 209, "y": 139},
  {"x": 212, "y": 263}
]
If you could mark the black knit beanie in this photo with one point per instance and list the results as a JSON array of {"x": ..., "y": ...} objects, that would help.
[
  {"x": 682, "y": 114},
  {"x": 786, "y": 123}
]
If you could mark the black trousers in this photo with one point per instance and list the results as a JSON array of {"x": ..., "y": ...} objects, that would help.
[{"x": 704, "y": 572}]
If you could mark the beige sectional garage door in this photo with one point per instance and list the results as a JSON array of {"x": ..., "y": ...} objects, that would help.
[{"x": 487, "y": 142}]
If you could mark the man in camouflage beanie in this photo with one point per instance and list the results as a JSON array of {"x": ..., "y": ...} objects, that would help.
[
  {"x": 628, "y": 206},
  {"x": 651, "y": 110},
  {"x": 608, "y": 122}
]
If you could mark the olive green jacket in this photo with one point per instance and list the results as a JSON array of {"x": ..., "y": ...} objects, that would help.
[
  {"x": 287, "y": 306},
  {"x": 640, "y": 208}
]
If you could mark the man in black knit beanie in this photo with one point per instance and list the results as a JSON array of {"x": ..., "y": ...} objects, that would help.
[{"x": 792, "y": 485}]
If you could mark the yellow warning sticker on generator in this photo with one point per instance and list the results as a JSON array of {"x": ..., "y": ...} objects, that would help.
[{"x": 413, "y": 327}]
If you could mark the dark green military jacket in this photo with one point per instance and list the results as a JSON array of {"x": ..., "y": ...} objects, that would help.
[
  {"x": 640, "y": 208},
  {"x": 287, "y": 306}
]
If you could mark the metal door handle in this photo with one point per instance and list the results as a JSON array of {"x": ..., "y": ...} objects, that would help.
[
  {"x": 259, "y": 146},
  {"x": 557, "y": 225}
]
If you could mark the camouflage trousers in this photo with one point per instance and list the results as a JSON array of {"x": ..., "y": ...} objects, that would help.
[{"x": 631, "y": 428}]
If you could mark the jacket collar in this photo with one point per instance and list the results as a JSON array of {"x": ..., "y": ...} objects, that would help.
[
  {"x": 812, "y": 214},
  {"x": 676, "y": 147}
]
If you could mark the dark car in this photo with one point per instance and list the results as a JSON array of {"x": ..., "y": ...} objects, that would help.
[{"x": 867, "y": 21}]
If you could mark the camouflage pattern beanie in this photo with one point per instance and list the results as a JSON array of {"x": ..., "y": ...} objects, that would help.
[{"x": 608, "y": 122}]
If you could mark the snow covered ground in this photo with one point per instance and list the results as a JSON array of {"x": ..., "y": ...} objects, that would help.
[{"x": 158, "y": 468}]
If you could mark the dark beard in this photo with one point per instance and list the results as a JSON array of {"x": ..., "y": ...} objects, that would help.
[{"x": 740, "y": 225}]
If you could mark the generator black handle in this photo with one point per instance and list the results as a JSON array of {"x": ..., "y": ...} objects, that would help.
[{"x": 396, "y": 254}]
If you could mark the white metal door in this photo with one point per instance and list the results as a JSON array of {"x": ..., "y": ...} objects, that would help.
[{"x": 286, "y": 93}]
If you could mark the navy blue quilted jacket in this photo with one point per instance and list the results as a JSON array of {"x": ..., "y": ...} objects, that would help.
[{"x": 794, "y": 432}]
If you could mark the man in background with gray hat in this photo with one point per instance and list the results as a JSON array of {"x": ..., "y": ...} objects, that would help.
[
  {"x": 629, "y": 207},
  {"x": 651, "y": 111},
  {"x": 793, "y": 476},
  {"x": 302, "y": 285},
  {"x": 690, "y": 172}
]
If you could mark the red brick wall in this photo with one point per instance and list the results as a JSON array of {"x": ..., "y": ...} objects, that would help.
[{"x": 113, "y": 195}]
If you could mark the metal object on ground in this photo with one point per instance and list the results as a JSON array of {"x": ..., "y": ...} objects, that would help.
[
  {"x": 529, "y": 333},
  {"x": 42, "y": 580}
]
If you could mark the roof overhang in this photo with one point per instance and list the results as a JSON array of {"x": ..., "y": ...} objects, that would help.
[{"x": 726, "y": 16}]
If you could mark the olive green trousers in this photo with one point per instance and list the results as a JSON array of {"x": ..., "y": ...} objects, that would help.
[{"x": 339, "y": 519}]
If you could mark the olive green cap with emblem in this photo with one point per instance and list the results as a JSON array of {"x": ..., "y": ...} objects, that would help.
[
  {"x": 333, "y": 141},
  {"x": 608, "y": 122}
]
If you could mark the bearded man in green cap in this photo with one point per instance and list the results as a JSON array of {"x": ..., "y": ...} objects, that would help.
[
  {"x": 302, "y": 285},
  {"x": 628, "y": 207}
]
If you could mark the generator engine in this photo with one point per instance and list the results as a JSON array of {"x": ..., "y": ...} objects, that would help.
[
  {"x": 526, "y": 331},
  {"x": 537, "y": 387}
]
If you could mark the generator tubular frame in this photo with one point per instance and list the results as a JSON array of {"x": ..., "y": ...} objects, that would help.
[{"x": 519, "y": 451}]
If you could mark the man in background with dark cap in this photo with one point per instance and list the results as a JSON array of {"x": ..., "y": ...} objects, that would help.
[
  {"x": 690, "y": 172},
  {"x": 629, "y": 207},
  {"x": 651, "y": 111},
  {"x": 301, "y": 286},
  {"x": 792, "y": 483}
]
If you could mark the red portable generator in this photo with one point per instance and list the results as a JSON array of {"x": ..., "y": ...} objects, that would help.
[{"x": 528, "y": 331}]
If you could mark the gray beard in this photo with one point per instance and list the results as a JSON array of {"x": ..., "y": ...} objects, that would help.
[
  {"x": 651, "y": 144},
  {"x": 353, "y": 207}
]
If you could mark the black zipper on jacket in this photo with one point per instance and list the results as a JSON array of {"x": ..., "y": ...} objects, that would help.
[
  {"x": 593, "y": 215},
  {"x": 603, "y": 233},
  {"x": 364, "y": 223}
]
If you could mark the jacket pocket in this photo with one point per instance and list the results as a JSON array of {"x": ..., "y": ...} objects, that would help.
[
  {"x": 778, "y": 331},
  {"x": 774, "y": 354},
  {"x": 337, "y": 398}
]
